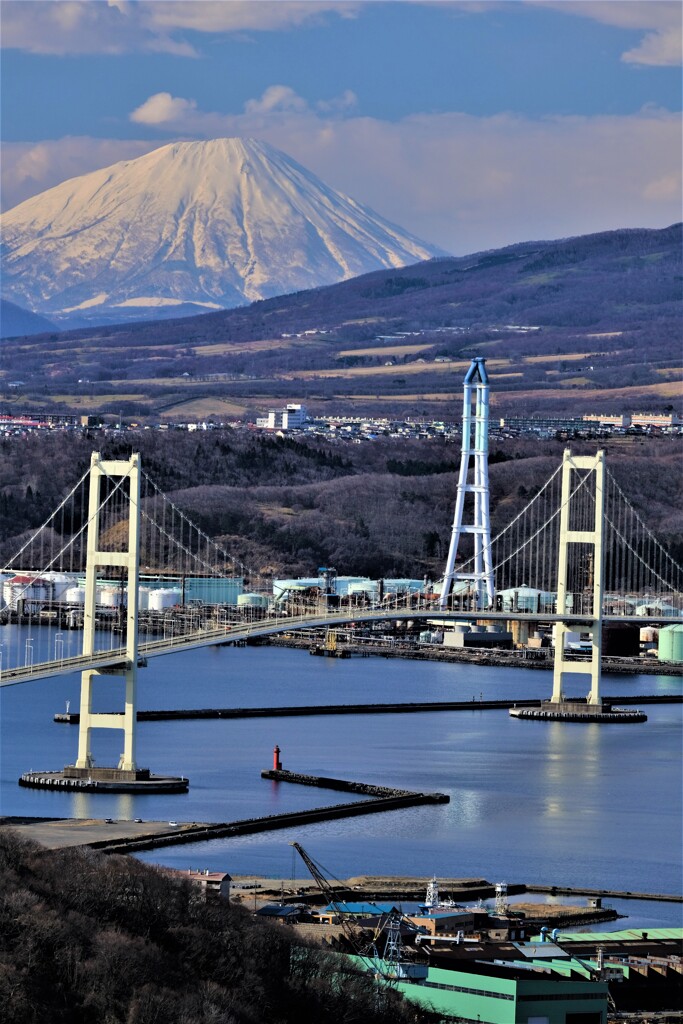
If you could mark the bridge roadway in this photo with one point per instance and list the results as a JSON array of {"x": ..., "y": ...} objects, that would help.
[{"x": 116, "y": 658}]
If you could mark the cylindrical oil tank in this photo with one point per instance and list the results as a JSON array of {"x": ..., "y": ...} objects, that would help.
[
  {"x": 620, "y": 640},
  {"x": 166, "y": 597},
  {"x": 478, "y": 629},
  {"x": 61, "y": 582},
  {"x": 143, "y": 598},
  {"x": 670, "y": 647},
  {"x": 252, "y": 601},
  {"x": 492, "y": 628},
  {"x": 74, "y": 595},
  {"x": 111, "y": 597},
  {"x": 648, "y": 634}
]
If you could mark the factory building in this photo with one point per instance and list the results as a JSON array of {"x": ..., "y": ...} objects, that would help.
[{"x": 489, "y": 992}]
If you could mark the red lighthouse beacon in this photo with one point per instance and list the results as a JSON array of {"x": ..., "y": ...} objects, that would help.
[{"x": 277, "y": 763}]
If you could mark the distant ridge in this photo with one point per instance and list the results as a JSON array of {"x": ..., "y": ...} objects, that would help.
[
  {"x": 15, "y": 321},
  {"x": 190, "y": 227}
]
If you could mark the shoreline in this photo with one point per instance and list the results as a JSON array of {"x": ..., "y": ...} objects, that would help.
[{"x": 496, "y": 659}]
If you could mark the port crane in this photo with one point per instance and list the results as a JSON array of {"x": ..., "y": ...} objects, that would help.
[
  {"x": 351, "y": 934},
  {"x": 392, "y": 960}
]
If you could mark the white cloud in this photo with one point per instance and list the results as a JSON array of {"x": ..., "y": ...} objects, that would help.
[
  {"x": 121, "y": 26},
  {"x": 162, "y": 108},
  {"x": 657, "y": 48},
  {"x": 275, "y": 98},
  {"x": 462, "y": 182},
  {"x": 241, "y": 15},
  {"x": 660, "y": 19},
  {"x": 345, "y": 101}
]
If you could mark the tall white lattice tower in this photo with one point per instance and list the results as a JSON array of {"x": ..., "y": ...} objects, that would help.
[{"x": 475, "y": 447}]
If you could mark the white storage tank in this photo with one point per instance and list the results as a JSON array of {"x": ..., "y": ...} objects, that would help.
[
  {"x": 111, "y": 597},
  {"x": 143, "y": 598},
  {"x": 252, "y": 601},
  {"x": 165, "y": 597},
  {"x": 74, "y": 595},
  {"x": 61, "y": 582}
]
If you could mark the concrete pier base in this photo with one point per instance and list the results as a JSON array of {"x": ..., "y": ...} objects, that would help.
[
  {"x": 105, "y": 780},
  {"x": 578, "y": 711}
]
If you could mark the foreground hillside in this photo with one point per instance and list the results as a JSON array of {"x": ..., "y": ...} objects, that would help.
[
  {"x": 383, "y": 508},
  {"x": 89, "y": 939},
  {"x": 582, "y": 324}
]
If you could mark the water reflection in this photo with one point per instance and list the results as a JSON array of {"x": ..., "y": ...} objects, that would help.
[{"x": 530, "y": 800}]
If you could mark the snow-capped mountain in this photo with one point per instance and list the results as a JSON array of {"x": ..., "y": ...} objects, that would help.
[{"x": 190, "y": 227}]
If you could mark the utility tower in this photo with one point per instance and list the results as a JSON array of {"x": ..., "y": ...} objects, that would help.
[{"x": 475, "y": 446}]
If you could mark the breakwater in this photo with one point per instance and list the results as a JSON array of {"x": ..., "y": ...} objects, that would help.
[
  {"x": 616, "y": 894},
  {"x": 384, "y": 798},
  {"x": 406, "y": 707},
  {"x": 366, "y": 788}
]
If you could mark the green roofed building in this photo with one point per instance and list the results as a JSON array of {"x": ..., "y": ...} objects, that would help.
[{"x": 492, "y": 993}]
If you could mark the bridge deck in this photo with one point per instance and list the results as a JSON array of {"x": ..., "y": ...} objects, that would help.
[{"x": 115, "y": 659}]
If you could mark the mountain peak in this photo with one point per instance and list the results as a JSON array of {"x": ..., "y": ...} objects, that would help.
[{"x": 191, "y": 225}]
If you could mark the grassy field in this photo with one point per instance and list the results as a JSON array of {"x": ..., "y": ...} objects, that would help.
[
  {"x": 384, "y": 351},
  {"x": 202, "y": 408}
]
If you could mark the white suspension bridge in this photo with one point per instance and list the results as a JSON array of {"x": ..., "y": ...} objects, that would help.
[{"x": 577, "y": 556}]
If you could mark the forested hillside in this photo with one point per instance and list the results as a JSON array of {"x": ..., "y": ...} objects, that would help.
[
  {"x": 87, "y": 938},
  {"x": 281, "y": 505},
  {"x": 579, "y": 324}
]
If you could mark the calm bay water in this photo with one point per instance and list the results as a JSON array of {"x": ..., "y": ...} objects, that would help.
[{"x": 547, "y": 802}]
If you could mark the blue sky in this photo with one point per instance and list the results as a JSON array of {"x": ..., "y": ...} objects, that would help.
[{"x": 471, "y": 124}]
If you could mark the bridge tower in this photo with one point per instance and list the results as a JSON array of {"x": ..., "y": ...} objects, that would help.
[
  {"x": 128, "y": 561},
  {"x": 117, "y": 548},
  {"x": 580, "y": 567},
  {"x": 475, "y": 445}
]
